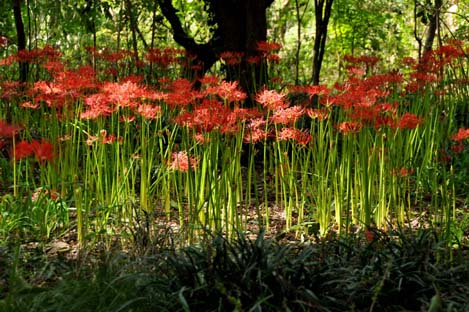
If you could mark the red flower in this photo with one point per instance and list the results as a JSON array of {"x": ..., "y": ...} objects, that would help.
[
  {"x": 461, "y": 135},
  {"x": 8, "y": 131},
  {"x": 267, "y": 47},
  {"x": 232, "y": 58},
  {"x": 228, "y": 91},
  {"x": 149, "y": 111},
  {"x": 43, "y": 150},
  {"x": 349, "y": 126},
  {"x": 254, "y": 135},
  {"x": 22, "y": 150},
  {"x": 181, "y": 161},
  {"x": 369, "y": 236},
  {"x": 256, "y": 131},
  {"x": 408, "y": 121},
  {"x": 459, "y": 148},
  {"x": 207, "y": 116},
  {"x": 271, "y": 99},
  {"x": 287, "y": 116},
  {"x": 321, "y": 113},
  {"x": 302, "y": 137},
  {"x": 210, "y": 80}
]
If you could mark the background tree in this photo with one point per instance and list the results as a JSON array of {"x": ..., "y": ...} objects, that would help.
[
  {"x": 427, "y": 13},
  {"x": 322, "y": 10},
  {"x": 21, "y": 39},
  {"x": 237, "y": 27}
]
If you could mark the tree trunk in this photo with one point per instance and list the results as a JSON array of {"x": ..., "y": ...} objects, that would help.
[
  {"x": 434, "y": 19},
  {"x": 323, "y": 13},
  {"x": 241, "y": 24},
  {"x": 21, "y": 36},
  {"x": 133, "y": 26}
]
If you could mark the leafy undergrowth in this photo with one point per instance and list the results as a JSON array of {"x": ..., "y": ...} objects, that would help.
[{"x": 401, "y": 271}]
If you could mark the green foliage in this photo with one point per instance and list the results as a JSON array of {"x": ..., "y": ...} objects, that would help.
[{"x": 390, "y": 272}]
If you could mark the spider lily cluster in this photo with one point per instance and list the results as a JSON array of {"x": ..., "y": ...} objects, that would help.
[{"x": 106, "y": 142}]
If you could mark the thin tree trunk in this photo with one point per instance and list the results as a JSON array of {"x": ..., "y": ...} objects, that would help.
[
  {"x": 434, "y": 21},
  {"x": 21, "y": 36},
  {"x": 298, "y": 42},
  {"x": 416, "y": 34},
  {"x": 133, "y": 27},
  {"x": 323, "y": 13}
]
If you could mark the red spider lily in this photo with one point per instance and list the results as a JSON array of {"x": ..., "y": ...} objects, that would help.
[
  {"x": 273, "y": 58},
  {"x": 9, "y": 60},
  {"x": 109, "y": 139},
  {"x": 253, "y": 59},
  {"x": 181, "y": 93},
  {"x": 135, "y": 79},
  {"x": 207, "y": 116},
  {"x": 54, "y": 67},
  {"x": 41, "y": 193},
  {"x": 404, "y": 172},
  {"x": 228, "y": 91},
  {"x": 365, "y": 114},
  {"x": 449, "y": 52},
  {"x": 256, "y": 130},
  {"x": 163, "y": 58},
  {"x": 91, "y": 139},
  {"x": 149, "y": 111},
  {"x": 461, "y": 135},
  {"x": 321, "y": 113},
  {"x": 180, "y": 161},
  {"x": 384, "y": 121},
  {"x": 254, "y": 135},
  {"x": 139, "y": 64},
  {"x": 124, "y": 94},
  {"x": 22, "y": 149},
  {"x": 348, "y": 127},
  {"x": 200, "y": 138},
  {"x": 43, "y": 150},
  {"x": 8, "y": 131},
  {"x": 369, "y": 235},
  {"x": 409, "y": 121},
  {"x": 210, "y": 80},
  {"x": 276, "y": 79},
  {"x": 239, "y": 114},
  {"x": 28, "y": 104},
  {"x": 459, "y": 148},
  {"x": 409, "y": 61},
  {"x": 287, "y": 116},
  {"x": 10, "y": 90},
  {"x": 271, "y": 99},
  {"x": 355, "y": 71},
  {"x": 369, "y": 61},
  {"x": 99, "y": 105},
  {"x": 78, "y": 82},
  {"x": 302, "y": 137},
  {"x": 38, "y": 55},
  {"x": 127, "y": 119},
  {"x": 232, "y": 58},
  {"x": 267, "y": 47}
]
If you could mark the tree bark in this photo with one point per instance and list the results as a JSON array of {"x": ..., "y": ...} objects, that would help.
[
  {"x": 434, "y": 19},
  {"x": 323, "y": 10},
  {"x": 21, "y": 37},
  {"x": 240, "y": 25}
]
